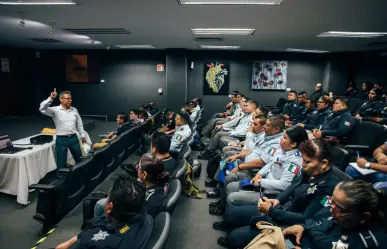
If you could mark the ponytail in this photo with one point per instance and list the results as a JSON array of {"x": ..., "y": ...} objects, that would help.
[{"x": 162, "y": 178}]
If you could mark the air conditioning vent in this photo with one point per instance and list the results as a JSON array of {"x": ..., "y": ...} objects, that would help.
[
  {"x": 208, "y": 39},
  {"x": 110, "y": 31},
  {"x": 45, "y": 40}
]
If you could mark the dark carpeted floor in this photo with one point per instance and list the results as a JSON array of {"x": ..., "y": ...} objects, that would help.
[{"x": 17, "y": 228}]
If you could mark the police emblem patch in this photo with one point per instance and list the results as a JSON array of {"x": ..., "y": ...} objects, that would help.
[
  {"x": 101, "y": 235},
  {"x": 311, "y": 190}
]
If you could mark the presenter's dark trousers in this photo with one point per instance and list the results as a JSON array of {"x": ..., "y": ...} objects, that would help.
[{"x": 64, "y": 143}]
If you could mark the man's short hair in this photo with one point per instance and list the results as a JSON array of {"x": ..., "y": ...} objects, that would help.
[
  {"x": 277, "y": 121},
  {"x": 262, "y": 119},
  {"x": 235, "y": 92},
  {"x": 184, "y": 116},
  {"x": 292, "y": 91},
  {"x": 252, "y": 102},
  {"x": 302, "y": 93},
  {"x": 241, "y": 95},
  {"x": 63, "y": 93},
  {"x": 169, "y": 111},
  {"x": 143, "y": 113},
  {"x": 161, "y": 142},
  {"x": 123, "y": 116},
  {"x": 264, "y": 110},
  {"x": 135, "y": 111},
  {"x": 128, "y": 198},
  {"x": 343, "y": 100}
]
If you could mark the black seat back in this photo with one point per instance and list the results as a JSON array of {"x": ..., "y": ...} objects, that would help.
[
  {"x": 354, "y": 104},
  {"x": 174, "y": 192},
  {"x": 341, "y": 158},
  {"x": 180, "y": 170},
  {"x": 340, "y": 174},
  {"x": 71, "y": 191},
  {"x": 161, "y": 230}
]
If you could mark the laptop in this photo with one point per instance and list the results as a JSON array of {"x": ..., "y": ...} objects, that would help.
[{"x": 6, "y": 146}]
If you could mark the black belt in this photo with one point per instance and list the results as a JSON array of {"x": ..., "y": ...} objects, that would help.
[{"x": 70, "y": 135}]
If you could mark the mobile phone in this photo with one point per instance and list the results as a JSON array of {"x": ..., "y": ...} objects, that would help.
[{"x": 289, "y": 244}]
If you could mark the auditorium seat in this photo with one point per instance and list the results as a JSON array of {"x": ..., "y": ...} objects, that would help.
[
  {"x": 57, "y": 199},
  {"x": 180, "y": 170},
  {"x": 174, "y": 193},
  {"x": 340, "y": 174},
  {"x": 161, "y": 230},
  {"x": 341, "y": 158}
]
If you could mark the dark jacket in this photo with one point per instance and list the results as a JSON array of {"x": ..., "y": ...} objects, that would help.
[
  {"x": 299, "y": 113},
  {"x": 289, "y": 107},
  {"x": 354, "y": 93},
  {"x": 303, "y": 198},
  {"x": 316, "y": 118},
  {"x": 321, "y": 231},
  {"x": 369, "y": 109},
  {"x": 134, "y": 234},
  {"x": 156, "y": 199},
  {"x": 338, "y": 124},
  {"x": 316, "y": 95}
]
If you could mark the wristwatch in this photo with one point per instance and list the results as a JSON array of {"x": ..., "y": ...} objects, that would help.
[{"x": 367, "y": 165}]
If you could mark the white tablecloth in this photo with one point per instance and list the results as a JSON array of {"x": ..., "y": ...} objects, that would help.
[{"x": 19, "y": 171}]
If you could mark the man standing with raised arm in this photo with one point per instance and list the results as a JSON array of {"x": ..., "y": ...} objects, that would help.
[{"x": 68, "y": 123}]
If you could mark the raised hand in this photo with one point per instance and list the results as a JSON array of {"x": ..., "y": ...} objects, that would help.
[{"x": 53, "y": 94}]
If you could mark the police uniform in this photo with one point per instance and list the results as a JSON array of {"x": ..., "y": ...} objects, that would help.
[
  {"x": 237, "y": 111},
  {"x": 299, "y": 114},
  {"x": 322, "y": 232},
  {"x": 316, "y": 118},
  {"x": 383, "y": 114},
  {"x": 134, "y": 234},
  {"x": 277, "y": 174},
  {"x": 300, "y": 201},
  {"x": 178, "y": 140},
  {"x": 369, "y": 109},
  {"x": 338, "y": 124},
  {"x": 316, "y": 95},
  {"x": 156, "y": 199},
  {"x": 289, "y": 107}
]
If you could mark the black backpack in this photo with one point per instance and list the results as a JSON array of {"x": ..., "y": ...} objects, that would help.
[{"x": 213, "y": 165}]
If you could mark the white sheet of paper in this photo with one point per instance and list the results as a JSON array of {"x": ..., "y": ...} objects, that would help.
[{"x": 361, "y": 170}]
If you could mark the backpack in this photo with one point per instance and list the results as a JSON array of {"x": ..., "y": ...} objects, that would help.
[
  {"x": 270, "y": 237},
  {"x": 189, "y": 188},
  {"x": 213, "y": 165}
]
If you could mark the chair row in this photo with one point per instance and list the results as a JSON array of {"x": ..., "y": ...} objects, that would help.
[{"x": 55, "y": 200}]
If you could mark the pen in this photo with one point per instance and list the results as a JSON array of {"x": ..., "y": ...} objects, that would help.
[
  {"x": 319, "y": 129},
  {"x": 357, "y": 152}
]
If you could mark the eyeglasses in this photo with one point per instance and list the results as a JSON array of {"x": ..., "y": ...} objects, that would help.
[
  {"x": 337, "y": 210},
  {"x": 68, "y": 98}
]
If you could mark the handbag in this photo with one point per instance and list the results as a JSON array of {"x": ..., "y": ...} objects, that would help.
[{"x": 270, "y": 237}]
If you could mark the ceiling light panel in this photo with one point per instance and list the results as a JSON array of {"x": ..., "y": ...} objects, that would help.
[
  {"x": 235, "y": 2},
  {"x": 219, "y": 47},
  {"x": 222, "y": 31},
  {"x": 37, "y": 2},
  {"x": 306, "y": 50},
  {"x": 135, "y": 46},
  {"x": 352, "y": 34}
]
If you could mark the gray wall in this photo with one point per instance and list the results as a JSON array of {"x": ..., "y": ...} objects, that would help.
[{"x": 304, "y": 72}]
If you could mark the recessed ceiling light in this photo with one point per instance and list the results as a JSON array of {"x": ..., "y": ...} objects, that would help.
[
  {"x": 37, "y": 2},
  {"x": 305, "y": 50},
  {"x": 222, "y": 31},
  {"x": 219, "y": 47},
  {"x": 352, "y": 34},
  {"x": 246, "y": 2},
  {"x": 134, "y": 46}
]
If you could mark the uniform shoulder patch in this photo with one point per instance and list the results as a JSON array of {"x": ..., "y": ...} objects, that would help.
[
  {"x": 297, "y": 153},
  {"x": 271, "y": 151},
  {"x": 124, "y": 229},
  {"x": 101, "y": 235},
  {"x": 179, "y": 137},
  {"x": 294, "y": 168},
  {"x": 325, "y": 201},
  {"x": 347, "y": 123}
]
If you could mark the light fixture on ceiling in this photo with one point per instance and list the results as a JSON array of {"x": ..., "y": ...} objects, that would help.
[
  {"x": 306, "y": 50},
  {"x": 22, "y": 23},
  {"x": 347, "y": 34},
  {"x": 135, "y": 46},
  {"x": 219, "y": 47},
  {"x": 38, "y": 2},
  {"x": 92, "y": 42},
  {"x": 95, "y": 42},
  {"x": 232, "y": 2},
  {"x": 222, "y": 31},
  {"x": 52, "y": 29}
]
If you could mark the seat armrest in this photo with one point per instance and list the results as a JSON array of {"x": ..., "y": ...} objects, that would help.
[
  {"x": 47, "y": 187},
  {"x": 64, "y": 170},
  {"x": 357, "y": 147},
  {"x": 271, "y": 193}
]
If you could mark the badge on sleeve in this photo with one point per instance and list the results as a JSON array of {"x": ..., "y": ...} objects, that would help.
[
  {"x": 294, "y": 169},
  {"x": 179, "y": 137},
  {"x": 124, "y": 229},
  {"x": 339, "y": 245},
  {"x": 311, "y": 190},
  {"x": 325, "y": 201},
  {"x": 271, "y": 151},
  {"x": 347, "y": 123},
  {"x": 100, "y": 235}
]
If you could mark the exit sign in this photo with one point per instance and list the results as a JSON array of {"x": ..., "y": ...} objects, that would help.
[{"x": 160, "y": 67}]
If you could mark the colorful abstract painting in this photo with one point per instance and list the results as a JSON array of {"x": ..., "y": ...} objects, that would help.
[
  {"x": 269, "y": 75},
  {"x": 216, "y": 78}
]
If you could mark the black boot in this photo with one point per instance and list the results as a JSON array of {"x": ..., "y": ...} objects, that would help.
[
  {"x": 215, "y": 193},
  {"x": 211, "y": 183},
  {"x": 206, "y": 154}
]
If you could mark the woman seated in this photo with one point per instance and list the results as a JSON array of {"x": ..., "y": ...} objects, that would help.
[
  {"x": 339, "y": 123},
  {"x": 380, "y": 166},
  {"x": 370, "y": 108},
  {"x": 300, "y": 201},
  {"x": 356, "y": 219},
  {"x": 317, "y": 117},
  {"x": 151, "y": 173}
]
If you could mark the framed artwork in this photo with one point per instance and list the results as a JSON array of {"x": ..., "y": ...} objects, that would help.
[
  {"x": 216, "y": 78},
  {"x": 269, "y": 75}
]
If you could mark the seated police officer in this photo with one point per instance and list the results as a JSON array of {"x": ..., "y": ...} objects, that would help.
[
  {"x": 356, "y": 219},
  {"x": 169, "y": 127},
  {"x": 291, "y": 105},
  {"x": 338, "y": 124},
  {"x": 317, "y": 117},
  {"x": 125, "y": 223},
  {"x": 160, "y": 148},
  {"x": 299, "y": 112},
  {"x": 183, "y": 131},
  {"x": 370, "y": 108}
]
